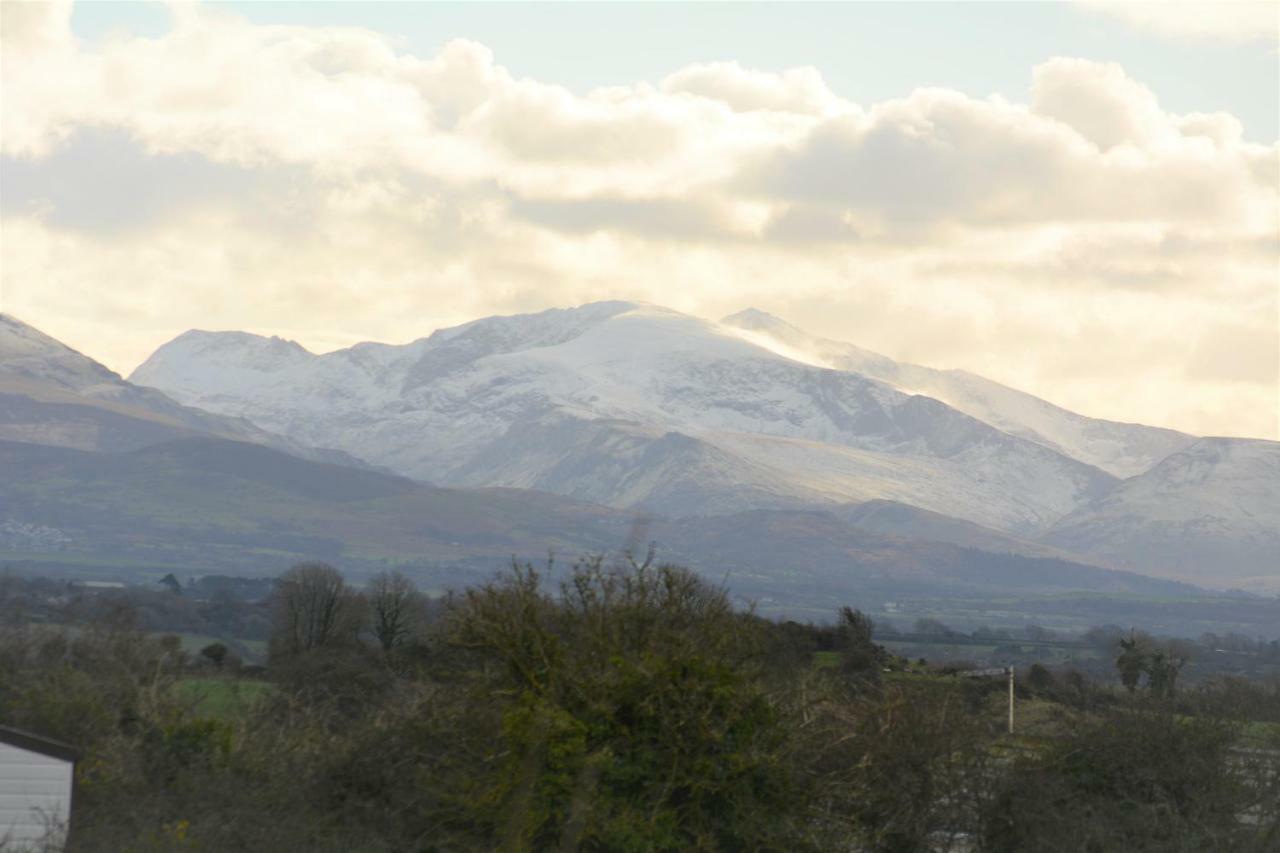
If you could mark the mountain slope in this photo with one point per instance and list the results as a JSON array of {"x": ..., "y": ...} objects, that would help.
[
  {"x": 799, "y": 553},
  {"x": 209, "y": 505},
  {"x": 1209, "y": 514},
  {"x": 51, "y": 394},
  {"x": 214, "y": 504},
  {"x": 1117, "y": 448},
  {"x": 890, "y": 518},
  {"x": 633, "y": 406}
]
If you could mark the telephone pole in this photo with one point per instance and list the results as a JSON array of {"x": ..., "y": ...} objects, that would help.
[{"x": 1010, "y": 700}]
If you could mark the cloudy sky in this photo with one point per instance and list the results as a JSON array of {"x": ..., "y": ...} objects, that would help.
[{"x": 1081, "y": 200}]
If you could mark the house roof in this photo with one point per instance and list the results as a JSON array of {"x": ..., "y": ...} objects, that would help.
[{"x": 36, "y": 743}]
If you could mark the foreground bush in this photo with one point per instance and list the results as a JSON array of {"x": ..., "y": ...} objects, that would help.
[
  {"x": 1136, "y": 778},
  {"x": 633, "y": 709},
  {"x": 635, "y": 716}
]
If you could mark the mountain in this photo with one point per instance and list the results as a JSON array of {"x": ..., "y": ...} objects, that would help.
[
  {"x": 890, "y": 518},
  {"x": 633, "y": 406},
  {"x": 814, "y": 558},
  {"x": 1209, "y": 513},
  {"x": 210, "y": 505},
  {"x": 1121, "y": 449},
  {"x": 51, "y": 394}
]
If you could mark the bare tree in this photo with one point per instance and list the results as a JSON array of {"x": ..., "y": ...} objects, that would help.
[
  {"x": 313, "y": 609},
  {"x": 393, "y": 601}
]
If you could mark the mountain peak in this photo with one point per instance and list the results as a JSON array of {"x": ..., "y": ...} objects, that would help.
[
  {"x": 754, "y": 318},
  {"x": 26, "y": 352},
  {"x": 204, "y": 337}
]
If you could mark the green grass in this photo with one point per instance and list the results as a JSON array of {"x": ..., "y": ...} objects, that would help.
[
  {"x": 222, "y": 698},
  {"x": 826, "y": 660}
]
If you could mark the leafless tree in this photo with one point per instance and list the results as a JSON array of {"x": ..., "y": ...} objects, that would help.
[
  {"x": 313, "y": 609},
  {"x": 393, "y": 602}
]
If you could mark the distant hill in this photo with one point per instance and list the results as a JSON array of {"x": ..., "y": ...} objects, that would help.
[
  {"x": 216, "y": 506},
  {"x": 798, "y": 554},
  {"x": 903, "y": 521}
]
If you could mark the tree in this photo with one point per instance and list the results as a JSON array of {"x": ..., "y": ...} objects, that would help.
[
  {"x": 859, "y": 654},
  {"x": 634, "y": 715},
  {"x": 1161, "y": 662},
  {"x": 393, "y": 599},
  {"x": 171, "y": 582},
  {"x": 927, "y": 627},
  {"x": 1164, "y": 666},
  {"x": 1039, "y": 678},
  {"x": 1138, "y": 778},
  {"x": 215, "y": 652},
  {"x": 1132, "y": 661},
  {"x": 312, "y": 608}
]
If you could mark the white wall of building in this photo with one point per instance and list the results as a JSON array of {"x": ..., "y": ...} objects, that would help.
[{"x": 35, "y": 794}]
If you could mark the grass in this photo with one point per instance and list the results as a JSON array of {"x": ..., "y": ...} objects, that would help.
[
  {"x": 826, "y": 660},
  {"x": 222, "y": 698}
]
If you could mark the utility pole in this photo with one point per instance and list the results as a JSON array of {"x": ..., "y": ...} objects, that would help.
[
  {"x": 1010, "y": 700},
  {"x": 995, "y": 670}
]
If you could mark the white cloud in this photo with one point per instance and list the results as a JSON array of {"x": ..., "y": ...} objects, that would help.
[
  {"x": 1087, "y": 244},
  {"x": 1231, "y": 20},
  {"x": 1100, "y": 102},
  {"x": 798, "y": 90}
]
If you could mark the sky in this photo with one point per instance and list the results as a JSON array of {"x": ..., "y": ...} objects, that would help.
[{"x": 1081, "y": 200}]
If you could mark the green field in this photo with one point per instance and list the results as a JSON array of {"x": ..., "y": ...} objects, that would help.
[{"x": 222, "y": 698}]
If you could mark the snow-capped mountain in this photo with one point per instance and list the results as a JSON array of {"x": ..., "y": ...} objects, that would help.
[
  {"x": 51, "y": 394},
  {"x": 1124, "y": 450},
  {"x": 634, "y": 406},
  {"x": 1208, "y": 513}
]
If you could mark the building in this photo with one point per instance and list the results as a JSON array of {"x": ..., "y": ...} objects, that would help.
[{"x": 35, "y": 791}]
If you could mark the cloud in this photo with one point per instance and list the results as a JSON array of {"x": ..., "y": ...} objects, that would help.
[
  {"x": 1093, "y": 146},
  {"x": 318, "y": 182},
  {"x": 661, "y": 218},
  {"x": 1230, "y": 20},
  {"x": 1238, "y": 352},
  {"x": 101, "y": 180},
  {"x": 798, "y": 90},
  {"x": 1100, "y": 102}
]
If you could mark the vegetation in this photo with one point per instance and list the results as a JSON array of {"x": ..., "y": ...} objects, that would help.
[{"x": 631, "y": 707}]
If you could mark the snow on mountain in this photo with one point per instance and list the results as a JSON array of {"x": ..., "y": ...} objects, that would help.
[
  {"x": 31, "y": 355},
  {"x": 51, "y": 394},
  {"x": 1208, "y": 514},
  {"x": 1118, "y": 448},
  {"x": 630, "y": 405}
]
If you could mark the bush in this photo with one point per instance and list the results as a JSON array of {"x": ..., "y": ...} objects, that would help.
[
  {"x": 638, "y": 719},
  {"x": 1137, "y": 778}
]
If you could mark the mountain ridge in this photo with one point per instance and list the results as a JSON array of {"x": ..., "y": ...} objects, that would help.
[
  {"x": 1121, "y": 449},
  {"x": 1211, "y": 508},
  {"x": 53, "y": 394},
  {"x": 448, "y": 408}
]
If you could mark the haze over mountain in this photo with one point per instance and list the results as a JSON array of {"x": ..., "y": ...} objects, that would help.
[{"x": 637, "y": 406}]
